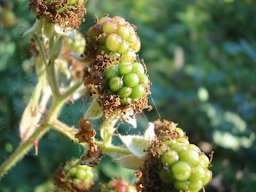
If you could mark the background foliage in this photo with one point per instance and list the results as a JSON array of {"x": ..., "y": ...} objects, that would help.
[{"x": 201, "y": 57}]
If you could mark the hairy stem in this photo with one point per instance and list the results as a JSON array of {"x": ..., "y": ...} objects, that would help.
[
  {"x": 112, "y": 149},
  {"x": 64, "y": 129},
  {"x": 22, "y": 149},
  {"x": 52, "y": 79},
  {"x": 30, "y": 110},
  {"x": 70, "y": 133},
  {"x": 107, "y": 130},
  {"x": 39, "y": 132},
  {"x": 26, "y": 146}
]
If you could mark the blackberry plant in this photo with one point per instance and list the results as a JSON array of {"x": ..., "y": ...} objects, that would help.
[{"x": 103, "y": 64}]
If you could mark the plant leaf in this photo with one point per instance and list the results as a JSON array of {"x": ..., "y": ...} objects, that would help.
[
  {"x": 136, "y": 144},
  {"x": 150, "y": 132},
  {"x": 130, "y": 162}
]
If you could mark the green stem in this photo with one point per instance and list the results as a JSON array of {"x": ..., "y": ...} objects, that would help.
[
  {"x": 64, "y": 129},
  {"x": 22, "y": 149},
  {"x": 112, "y": 149},
  {"x": 26, "y": 146},
  {"x": 39, "y": 132},
  {"x": 71, "y": 89},
  {"x": 41, "y": 48},
  {"x": 52, "y": 79},
  {"x": 30, "y": 116},
  {"x": 55, "y": 46},
  {"x": 107, "y": 130},
  {"x": 50, "y": 67},
  {"x": 70, "y": 133}
]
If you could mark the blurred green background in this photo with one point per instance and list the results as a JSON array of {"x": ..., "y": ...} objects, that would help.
[{"x": 201, "y": 57}]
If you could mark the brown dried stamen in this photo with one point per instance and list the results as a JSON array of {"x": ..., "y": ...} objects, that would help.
[
  {"x": 86, "y": 134},
  {"x": 72, "y": 16}
]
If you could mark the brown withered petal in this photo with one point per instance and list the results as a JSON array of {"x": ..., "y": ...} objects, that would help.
[{"x": 59, "y": 12}]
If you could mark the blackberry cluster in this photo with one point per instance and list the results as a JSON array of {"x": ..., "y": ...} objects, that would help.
[
  {"x": 128, "y": 80},
  {"x": 73, "y": 177},
  {"x": 187, "y": 165},
  {"x": 114, "y": 35},
  {"x": 171, "y": 159},
  {"x": 80, "y": 173},
  {"x": 114, "y": 74}
]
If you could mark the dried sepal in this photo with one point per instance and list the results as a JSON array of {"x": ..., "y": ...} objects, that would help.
[
  {"x": 60, "y": 12},
  {"x": 86, "y": 134}
]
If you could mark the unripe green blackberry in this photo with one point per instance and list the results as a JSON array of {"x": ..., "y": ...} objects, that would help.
[
  {"x": 128, "y": 80},
  {"x": 74, "y": 177},
  {"x": 115, "y": 83},
  {"x": 75, "y": 44},
  {"x": 172, "y": 163},
  {"x": 114, "y": 35},
  {"x": 115, "y": 185},
  {"x": 113, "y": 75},
  {"x": 186, "y": 164}
]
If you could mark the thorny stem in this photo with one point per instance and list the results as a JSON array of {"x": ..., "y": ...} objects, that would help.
[
  {"x": 47, "y": 77},
  {"x": 26, "y": 146},
  {"x": 56, "y": 106},
  {"x": 64, "y": 129},
  {"x": 31, "y": 114},
  {"x": 40, "y": 131},
  {"x": 22, "y": 149}
]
